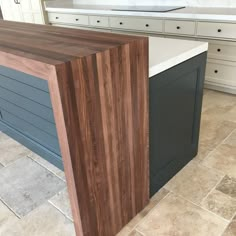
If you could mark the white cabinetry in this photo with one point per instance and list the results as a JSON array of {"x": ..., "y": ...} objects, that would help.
[
  {"x": 68, "y": 19},
  {"x": 30, "y": 11},
  {"x": 180, "y": 27},
  {"x": 10, "y": 10},
  {"x": 99, "y": 21},
  {"x": 221, "y": 65},
  {"x": 222, "y": 50},
  {"x": 216, "y": 30},
  {"x": 143, "y": 24}
]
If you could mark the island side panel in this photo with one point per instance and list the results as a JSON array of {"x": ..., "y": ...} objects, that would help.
[
  {"x": 175, "y": 115},
  {"x": 100, "y": 106}
]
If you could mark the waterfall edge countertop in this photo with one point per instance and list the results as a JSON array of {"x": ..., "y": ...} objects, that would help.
[
  {"x": 193, "y": 13},
  {"x": 96, "y": 86}
]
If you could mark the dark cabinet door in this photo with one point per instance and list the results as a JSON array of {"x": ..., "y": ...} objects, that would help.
[{"x": 175, "y": 111}]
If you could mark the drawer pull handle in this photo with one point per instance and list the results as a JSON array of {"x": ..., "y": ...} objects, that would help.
[
  {"x": 147, "y": 25},
  {"x": 219, "y": 30},
  {"x": 216, "y": 71},
  {"x": 121, "y": 23},
  {"x": 98, "y": 21},
  {"x": 57, "y": 17},
  {"x": 178, "y": 27},
  {"x": 218, "y": 50},
  {"x": 77, "y": 19}
]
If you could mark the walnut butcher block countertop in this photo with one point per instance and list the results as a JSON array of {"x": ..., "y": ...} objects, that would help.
[
  {"x": 98, "y": 84},
  {"x": 55, "y": 45}
]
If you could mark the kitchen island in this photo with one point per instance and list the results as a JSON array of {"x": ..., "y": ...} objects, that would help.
[{"x": 82, "y": 97}]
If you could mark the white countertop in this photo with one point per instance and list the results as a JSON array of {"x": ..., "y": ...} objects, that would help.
[
  {"x": 193, "y": 13},
  {"x": 165, "y": 53}
]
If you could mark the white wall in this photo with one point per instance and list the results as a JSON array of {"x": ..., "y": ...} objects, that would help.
[{"x": 199, "y": 3}]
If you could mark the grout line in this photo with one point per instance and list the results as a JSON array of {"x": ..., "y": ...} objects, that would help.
[
  {"x": 212, "y": 169},
  {"x": 204, "y": 198},
  {"x": 9, "y": 208},
  {"x": 234, "y": 215},
  {"x": 139, "y": 232},
  {"x": 47, "y": 169},
  {"x": 144, "y": 218},
  {"x": 222, "y": 142},
  {"x": 195, "y": 204},
  {"x": 225, "y": 229},
  {"x": 229, "y": 135},
  {"x": 228, "y": 225},
  {"x": 49, "y": 201}
]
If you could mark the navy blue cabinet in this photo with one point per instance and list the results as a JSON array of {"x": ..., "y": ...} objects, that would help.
[
  {"x": 26, "y": 113},
  {"x": 175, "y": 113}
]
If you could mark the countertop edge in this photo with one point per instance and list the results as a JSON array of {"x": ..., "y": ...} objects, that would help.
[
  {"x": 173, "y": 15},
  {"x": 157, "y": 69}
]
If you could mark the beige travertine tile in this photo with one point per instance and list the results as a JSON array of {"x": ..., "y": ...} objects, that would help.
[
  {"x": 231, "y": 140},
  {"x": 212, "y": 133},
  {"x": 153, "y": 202},
  {"x": 194, "y": 182},
  {"x": 6, "y": 218},
  {"x": 218, "y": 120},
  {"x": 221, "y": 204},
  {"x": 205, "y": 91},
  {"x": 223, "y": 159},
  {"x": 43, "y": 221},
  {"x": 174, "y": 216},
  {"x": 228, "y": 186},
  {"x": 61, "y": 202},
  {"x": 217, "y": 100},
  {"x": 135, "y": 233},
  {"x": 124, "y": 232},
  {"x": 156, "y": 198},
  {"x": 26, "y": 185},
  {"x": 226, "y": 113},
  {"x": 11, "y": 150},
  {"x": 47, "y": 165},
  {"x": 231, "y": 229}
]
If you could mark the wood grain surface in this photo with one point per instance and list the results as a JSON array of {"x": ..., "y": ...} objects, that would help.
[{"x": 98, "y": 84}]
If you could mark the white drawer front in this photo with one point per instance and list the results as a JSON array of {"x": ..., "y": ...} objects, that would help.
[
  {"x": 221, "y": 72},
  {"x": 216, "y": 30},
  {"x": 99, "y": 21},
  {"x": 68, "y": 18},
  {"x": 139, "y": 33},
  {"x": 180, "y": 27},
  {"x": 180, "y": 37},
  {"x": 220, "y": 51},
  {"x": 82, "y": 27},
  {"x": 151, "y": 25}
]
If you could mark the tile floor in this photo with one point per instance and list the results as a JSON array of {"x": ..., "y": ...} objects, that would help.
[{"x": 199, "y": 201}]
